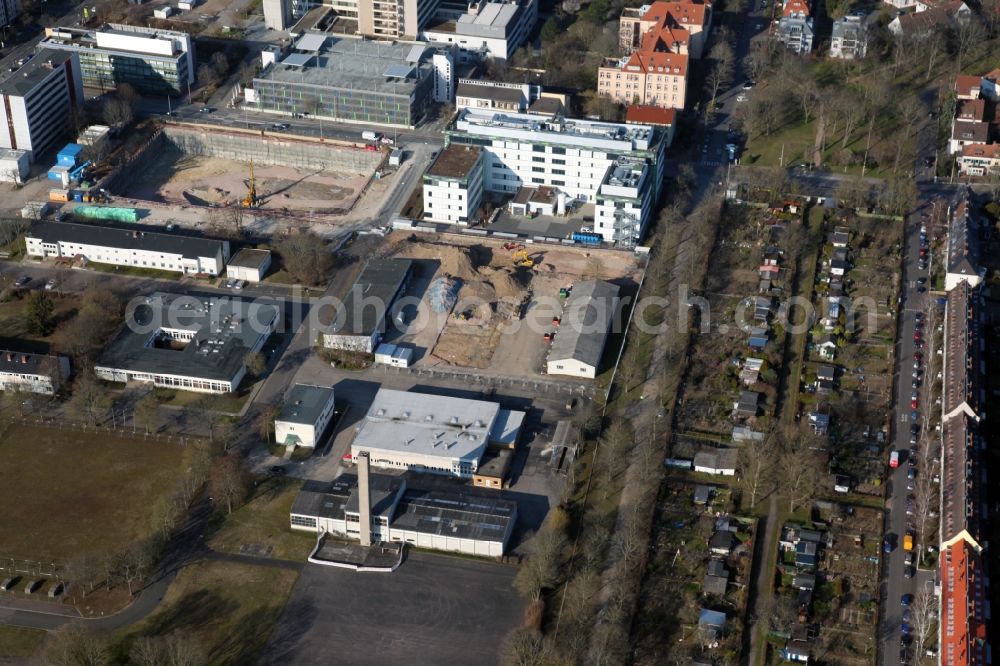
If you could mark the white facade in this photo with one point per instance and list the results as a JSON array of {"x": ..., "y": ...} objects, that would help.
[
  {"x": 185, "y": 382},
  {"x": 444, "y": 75},
  {"x": 573, "y": 156},
  {"x": 152, "y": 257},
  {"x": 14, "y": 165},
  {"x": 453, "y": 197},
  {"x": 37, "y": 102},
  {"x": 305, "y": 416},
  {"x": 249, "y": 265},
  {"x": 32, "y": 373},
  {"x": 278, "y": 14},
  {"x": 397, "y": 357},
  {"x": 486, "y": 29}
]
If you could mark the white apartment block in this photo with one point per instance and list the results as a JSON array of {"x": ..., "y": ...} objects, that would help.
[
  {"x": 37, "y": 101},
  {"x": 615, "y": 166},
  {"x": 125, "y": 247},
  {"x": 453, "y": 185},
  {"x": 486, "y": 29},
  {"x": 444, "y": 74},
  {"x": 32, "y": 373}
]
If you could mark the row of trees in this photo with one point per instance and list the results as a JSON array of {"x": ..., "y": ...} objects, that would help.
[{"x": 73, "y": 645}]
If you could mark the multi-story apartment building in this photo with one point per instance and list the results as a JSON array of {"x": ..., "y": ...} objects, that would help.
[
  {"x": 849, "y": 38},
  {"x": 979, "y": 160},
  {"x": 655, "y": 78},
  {"x": 617, "y": 167},
  {"x": 484, "y": 29},
  {"x": 453, "y": 185},
  {"x": 680, "y": 26},
  {"x": 157, "y": 62},
  {"x": 38, "y": 100}
]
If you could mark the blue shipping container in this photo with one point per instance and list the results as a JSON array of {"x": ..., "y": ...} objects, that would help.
[
  {"x": 56, "y": 172},
  {"x": 78, "y": 196},
  {"x": 69, "y": 154},
  {"x": 587, "y": 239}
]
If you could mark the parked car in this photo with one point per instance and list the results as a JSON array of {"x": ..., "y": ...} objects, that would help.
[
  {"x": 894, "y": 459},
  {"x": 23, "y": 280},
  {"x": 50, "y": 285}
]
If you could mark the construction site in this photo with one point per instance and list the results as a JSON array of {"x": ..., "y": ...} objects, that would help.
[
  {"x": 190, "y": 167},
  {"x": 495, "y": 306}
]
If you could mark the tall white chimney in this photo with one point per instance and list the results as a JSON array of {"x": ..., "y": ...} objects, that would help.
[{"x": 364, "y": 500}]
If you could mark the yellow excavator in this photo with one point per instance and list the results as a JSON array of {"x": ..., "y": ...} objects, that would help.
[
  {"x": 521, "y": 258},
  {"x": 251, "y": 201}
]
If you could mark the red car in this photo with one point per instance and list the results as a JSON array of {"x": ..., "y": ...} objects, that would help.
[
  {"x": 894, "y": 459},
  {"x": 914, "y": 403},
  {"x": 917, "y": 356},
  {"x": 917, "y": 335}
]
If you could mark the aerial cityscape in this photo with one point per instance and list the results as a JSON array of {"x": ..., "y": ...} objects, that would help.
[{"x": 515, "y": 332}]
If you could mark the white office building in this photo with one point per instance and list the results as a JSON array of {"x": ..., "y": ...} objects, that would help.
[
  {"x": 127, "y": 247},
  {"x": 32, "y": 373},
  {"x": 157, "y": 62},
  {"x": 485, "y": 29},
  {"x": 432, "y": 433},
  {"x": 453, "y": 185},
  {"x": 191, "y": 343},
  {"x": 304, "y": 416},
  {"x": 615, "y": 166},
  {"x": 37, "y": 102},
  {"x": 444, "y": 74}
]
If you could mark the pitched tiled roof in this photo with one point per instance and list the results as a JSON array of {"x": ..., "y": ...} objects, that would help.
[
  {"x": 971, "y": 109},
  {"x": 644, "y": 114},
  {"x": 684, "y": 12},
  {"x": 987, "y": 151},
  {"x": 965, "y": 85},
  {"x": 659, "y": 62},
  {"x": 793, "y": 7},
  {"x": 963, "y": 606}
]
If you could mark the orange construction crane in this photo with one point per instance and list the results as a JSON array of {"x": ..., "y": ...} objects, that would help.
[{"x": 250, "y": 201}]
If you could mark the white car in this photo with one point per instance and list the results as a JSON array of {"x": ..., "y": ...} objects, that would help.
[
  {"x": 741, "y": 98},
  {"x": 50, "y": 285}
]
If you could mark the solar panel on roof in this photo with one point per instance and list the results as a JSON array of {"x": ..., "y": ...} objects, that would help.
[
  {"x": 311, "y": 42},
  {"x": 398, "y": 71},
  {"x": 297, "y": 60},
  {"x": 415, "y": 53}
]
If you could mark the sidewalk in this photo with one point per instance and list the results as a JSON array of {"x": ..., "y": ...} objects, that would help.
[{"x": 39, "y": 606}]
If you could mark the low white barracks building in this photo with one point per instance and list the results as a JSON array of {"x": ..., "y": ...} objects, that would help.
[{"x": 127, "y": 247}]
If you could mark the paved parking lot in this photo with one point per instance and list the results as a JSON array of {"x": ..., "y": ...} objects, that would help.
[{"x": 433, "y": 610}]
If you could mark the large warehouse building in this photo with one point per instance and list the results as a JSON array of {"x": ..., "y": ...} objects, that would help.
[
  {"x": 462, "y": 522},
  {"x": 188, "y": 342},
  {"x": 433, "y": 433},
  {"x": 128, "y": 247},
  {"x": 360, "y": 322}
]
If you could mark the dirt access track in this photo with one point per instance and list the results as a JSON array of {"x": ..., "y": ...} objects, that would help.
[{"x": 497, "y": 314}]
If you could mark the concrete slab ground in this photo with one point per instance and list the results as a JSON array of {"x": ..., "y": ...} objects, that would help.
[
  {"x": 434, "y": 610},
  {"x": 549, "y": 226}
]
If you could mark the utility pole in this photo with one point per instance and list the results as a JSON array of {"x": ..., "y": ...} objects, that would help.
[{"x": 781, "y": 159}]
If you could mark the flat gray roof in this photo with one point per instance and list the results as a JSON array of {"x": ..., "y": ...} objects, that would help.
[
  {"x": 22, "y": 81},
  {"x": 224, "y": 329},
  {"x": 126, "y": 239},
  {"x": 433, "y": 425},
  {"x": 249, "y": 258},
  {"x": 353, "y": 64},
  {"x": 304, "y": 404},
  {"x": 458, "y": 514},
  {"x": 485, "y": 91},
  {"x": 370, "y": 297},
  {"x": 583, "y": 330}
]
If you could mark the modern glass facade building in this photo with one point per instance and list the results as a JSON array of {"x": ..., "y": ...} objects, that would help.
[
  {"x": 156, "y": 62},
  {"x": 350, "y": 80}
]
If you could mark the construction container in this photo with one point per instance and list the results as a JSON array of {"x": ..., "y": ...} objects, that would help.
[
  {"x": 58, "y": 195},
  {"x": 114, "y": 214},
  {"x": 587, "y": 239},
  {"x": 77, "y": 195},
  {"x": 58, "y": 172},
  {"x": 69, "y": 154}
]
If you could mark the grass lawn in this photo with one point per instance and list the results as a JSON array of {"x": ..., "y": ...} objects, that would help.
[
  {"x": 227, "y": 403},
  {"x": 66, "y": 492},
  {"x": 796, "y": 142},
  {"x": 229, "y": 608},
  {"x": 264, "y": 520},
  {"x": 134, "y": 271},
  {"x": 14, "y": 322},
  {"x": 19, "y": 642}
]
